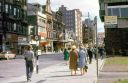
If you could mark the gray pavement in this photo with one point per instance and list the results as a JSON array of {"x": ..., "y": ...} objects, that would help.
[{"x": 60, "y": 73}]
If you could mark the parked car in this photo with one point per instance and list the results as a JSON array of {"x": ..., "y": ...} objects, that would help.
[{"x": 7, "y": 55}]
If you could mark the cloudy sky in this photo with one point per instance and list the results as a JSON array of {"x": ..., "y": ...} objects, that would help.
[{"x": 91, "y": 6}]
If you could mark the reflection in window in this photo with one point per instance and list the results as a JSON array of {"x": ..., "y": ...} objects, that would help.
[
  {"x": 14, "y": 27},
  {"x": 115, "y": 12},
  {"x": 121, "y": 11},
  {"x": 109, "y": 12},
  {"x": 14, "y": 11},
  {"x": 10, "y": 10},
  {"x": 124, "y": 12},
  {"x": 6, "y": 8}
]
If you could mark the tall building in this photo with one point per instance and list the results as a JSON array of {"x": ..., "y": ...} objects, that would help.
[
  {"x": 73, "y": 23},
  {"x": 89, "y": 31},
  {"x": 37, "y": 25},
  {"x": 113, "y": 31},
  {"x": 58, "y": 31},
  {"x": 13, "y": 24}
]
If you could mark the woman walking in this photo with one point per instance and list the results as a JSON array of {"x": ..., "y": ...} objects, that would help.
[
  {"x": 82, "y": 59},
  {"x": 73, "y": 60},
  {"x": 66, "y": 56}
]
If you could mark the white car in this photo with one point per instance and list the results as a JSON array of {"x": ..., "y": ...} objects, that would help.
[{"x": 7, "y": 55}]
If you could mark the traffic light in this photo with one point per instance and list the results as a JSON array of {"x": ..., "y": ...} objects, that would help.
[{"x": 32, "y": 31}]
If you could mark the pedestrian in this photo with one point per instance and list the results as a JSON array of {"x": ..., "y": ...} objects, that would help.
[
  {"x": 82, "y": 62},
  {"x": 73, "y": 58},
  {"x": 101, "y": 52},
  {"x": 90, "y": 54},
  {"x": 66, "y": 56},
  {"x": 29, "y": 59},
  {"x": 94, "y": 52}
]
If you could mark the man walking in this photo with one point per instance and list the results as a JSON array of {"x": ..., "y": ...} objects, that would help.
[{"x": 29, "y": 59}]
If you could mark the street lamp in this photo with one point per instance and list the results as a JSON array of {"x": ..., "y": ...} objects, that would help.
[
  {"x": 36, "y": 36},
  {"x": 95, "y": 21}
]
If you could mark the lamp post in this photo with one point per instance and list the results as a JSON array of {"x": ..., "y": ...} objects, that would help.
[
  {"x": 36, "y": 37},
  {"x": 95, "y": 21}
]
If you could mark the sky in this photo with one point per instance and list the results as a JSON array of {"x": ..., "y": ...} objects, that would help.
[{"x": 85, "y": 6}]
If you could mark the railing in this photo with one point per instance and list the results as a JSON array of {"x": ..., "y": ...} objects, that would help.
[{"x": 113, "y": 1}]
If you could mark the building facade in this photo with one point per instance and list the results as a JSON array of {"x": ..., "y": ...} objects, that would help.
[
  {"x": 13, "y": 24},
  {"x": 49, "y": 24},
  {"x": 89, "y": 34},
  {"x": 73, "y": 23},
  {"x": 37, "y": 26},
  {"x": 101, "y": 36},
  {"x": 58, "y": 31},
  {"x": 118, "y": 8}
]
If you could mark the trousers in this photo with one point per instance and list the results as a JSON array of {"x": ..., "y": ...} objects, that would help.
[{"x": 29, "y": 69}]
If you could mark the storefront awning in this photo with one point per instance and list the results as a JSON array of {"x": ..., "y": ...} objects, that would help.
[
  {"x": 44, "y": 43},
  {"x": 68, "y": 40}
]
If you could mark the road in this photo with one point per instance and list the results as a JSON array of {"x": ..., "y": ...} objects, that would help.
[{"x": 16, "y": 67}]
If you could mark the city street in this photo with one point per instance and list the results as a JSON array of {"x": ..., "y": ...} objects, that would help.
[
  {"x": 16, "y": 67},
  {"x": 52, "y": 70}
]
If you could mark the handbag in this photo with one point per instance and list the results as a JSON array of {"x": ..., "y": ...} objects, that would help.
[{"x": 86, "y": 67}]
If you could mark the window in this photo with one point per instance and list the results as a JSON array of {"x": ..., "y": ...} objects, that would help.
[
  {"x": 14, "y": 11},
  {"x": 0, "y": 25},
  {"x": 17, "y": 13},
  {"x": 124, "y": 12},
  {"x": 10, "y": 10},
  {"x": 115, "y": 12},
  {"x": 14, "y": 26},
  {"x": 6, "y": 8},
  {"x": 8, "y": 26},
  {"x": 109, "y": 12},
  {"x": 0, "y": 6},
  {"x": 121, "y": 11}
]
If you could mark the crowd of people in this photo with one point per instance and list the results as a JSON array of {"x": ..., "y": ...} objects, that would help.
[
  {"x": 75, "y": 57},
  {"x": 81, "y": 56}
]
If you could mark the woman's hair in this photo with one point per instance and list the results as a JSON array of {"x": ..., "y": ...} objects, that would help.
[{"x": 73, "y": 47}]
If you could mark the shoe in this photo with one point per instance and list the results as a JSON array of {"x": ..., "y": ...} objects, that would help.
[{"x": 29, "y": 80}]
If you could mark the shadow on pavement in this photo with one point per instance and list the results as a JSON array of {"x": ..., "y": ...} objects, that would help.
[
  {"x": 59, "y": 76},
  {"x": 40, "y": 81},
  {"x": 60, "y": 71},
  {"x": 1, "y": 76},
  {"x": 27, "y": 82},
  {"x": 20, "y": 82}
]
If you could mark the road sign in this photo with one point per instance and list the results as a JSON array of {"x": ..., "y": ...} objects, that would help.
[
  {"x": 109, "y": 20},
  {"x": 36, "y": 37}
]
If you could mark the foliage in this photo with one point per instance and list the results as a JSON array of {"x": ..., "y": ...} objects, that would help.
[
  {"x": 117, "y": 60},
  {"x": 121, "y": 81}
]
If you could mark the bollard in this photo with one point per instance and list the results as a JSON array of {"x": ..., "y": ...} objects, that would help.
[{"x": 37, "y": 64}]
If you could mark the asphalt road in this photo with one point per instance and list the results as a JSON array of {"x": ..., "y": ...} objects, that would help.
[{"x": 16, "y": 67}]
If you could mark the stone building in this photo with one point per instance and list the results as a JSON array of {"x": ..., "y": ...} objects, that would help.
[
  {"x": 13, "y": 24},
  {"x": 113, "y": 32},
  {"x": 73, "y": 23}
]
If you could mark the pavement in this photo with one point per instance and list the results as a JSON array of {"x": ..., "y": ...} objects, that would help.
[
  {"x": 60, "y": 73},
  {"x": 112, "y": 73}
]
